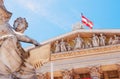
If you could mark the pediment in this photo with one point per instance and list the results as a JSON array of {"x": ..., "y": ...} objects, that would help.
[
  {"x": 87, "y": 47},
  {"x": 85, "y": 34}
]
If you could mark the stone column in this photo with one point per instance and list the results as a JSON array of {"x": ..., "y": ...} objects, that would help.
[{"x": 95, "y": 72}]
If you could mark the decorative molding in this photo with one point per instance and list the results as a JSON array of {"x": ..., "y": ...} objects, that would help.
[{"x": 86, "y": 52}]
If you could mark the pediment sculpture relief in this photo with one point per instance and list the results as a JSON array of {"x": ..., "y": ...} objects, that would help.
[{"x": 79, "y": 42}]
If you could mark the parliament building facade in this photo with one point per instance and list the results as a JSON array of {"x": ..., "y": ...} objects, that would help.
[{"x": 79, "y": 54}]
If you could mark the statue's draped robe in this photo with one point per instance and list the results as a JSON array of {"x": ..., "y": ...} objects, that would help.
[{"x": 10, "y": 53}]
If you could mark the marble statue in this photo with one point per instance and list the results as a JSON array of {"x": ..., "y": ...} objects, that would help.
[
  {"x": 69, "y": 48},
  {"x": 110, "y": 41},
  {"x": 57, "y": 47},
  {"x": 88, "y": 45},
  {"x": 20, "y": 25},
  {"x": 11, "y": 52},
  {"x": 95, "y": 41},
  {"x": 63, "y": 46},
  {"x": 77, "y": 26},
  {"x": 102, "y": 40},
  {"x": 78, "y": 42},
  {"x": 115, "y": 40}
]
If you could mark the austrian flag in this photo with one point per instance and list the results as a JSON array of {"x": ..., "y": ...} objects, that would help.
[{"x": 87, "y": 22}]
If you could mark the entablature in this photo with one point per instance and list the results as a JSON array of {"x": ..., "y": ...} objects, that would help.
[{"x": 86, "y": 52}]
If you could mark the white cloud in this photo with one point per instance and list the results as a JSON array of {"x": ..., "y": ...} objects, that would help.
[
  {"x": 35, "y": 5},
  {"x": 30, "y": 5},
  {"x": 42, "y": 8}
]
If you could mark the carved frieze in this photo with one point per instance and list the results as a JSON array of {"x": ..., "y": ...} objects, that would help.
[
  {"x": 80, "y": 45},
  {"x": 79, "y": 42}
]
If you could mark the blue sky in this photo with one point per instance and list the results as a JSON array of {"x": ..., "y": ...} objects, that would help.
[{"x": 50, "y": 18}]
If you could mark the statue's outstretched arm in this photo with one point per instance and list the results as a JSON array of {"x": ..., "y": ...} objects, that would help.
[{"x": 27, "y": 39}]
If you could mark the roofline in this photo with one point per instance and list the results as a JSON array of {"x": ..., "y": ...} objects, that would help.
[{"x": 82, "y": 31}]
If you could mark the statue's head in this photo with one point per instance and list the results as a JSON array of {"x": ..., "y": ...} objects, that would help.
[{"x": 20, "y": 24}]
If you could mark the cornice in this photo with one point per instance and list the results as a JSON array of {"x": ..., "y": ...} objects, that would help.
[{"x": 86, "y": 52}]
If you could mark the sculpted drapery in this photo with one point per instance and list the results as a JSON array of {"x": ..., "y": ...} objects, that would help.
[{"x": 12, "y": 55}]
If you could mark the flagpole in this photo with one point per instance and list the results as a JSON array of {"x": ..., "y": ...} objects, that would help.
[
  {"x": 81, "y": 14},
  {"x": 51, "y": 67}
]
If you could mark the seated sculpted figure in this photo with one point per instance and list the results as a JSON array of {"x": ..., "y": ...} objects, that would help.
[
  {"x": 88, "y": 44},
  {"x": 116, "y": 40}
]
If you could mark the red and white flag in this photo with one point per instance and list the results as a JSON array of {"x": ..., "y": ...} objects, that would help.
[{"x": 87, "y": 22}]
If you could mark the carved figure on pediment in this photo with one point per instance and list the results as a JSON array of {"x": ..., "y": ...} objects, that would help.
[
  {"x": 78, "y": 42},
  {"x": 94, "y": 73},
  {"x": 88, "y": 45},
  {"x": 95, "y": 41},
  {"x": 102, "y": 40},
  {"x": 67, "y": 74},
  {"x": 63, "y": 46},
  {"x": 110, "y": 41},
  {"x": 116, "y": 40},
  {"x": 69, "y": 48},
  {"x": 57, "y": 47}
]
